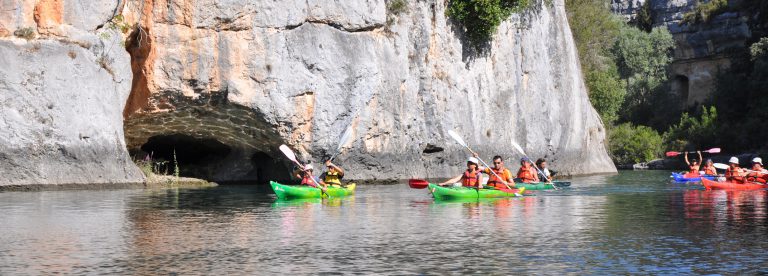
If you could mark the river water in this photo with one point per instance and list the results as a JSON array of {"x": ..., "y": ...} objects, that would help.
[{"x": 633, "y": 222}]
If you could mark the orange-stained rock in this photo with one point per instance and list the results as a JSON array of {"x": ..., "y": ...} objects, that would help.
[{"x": 48, "y": 15}]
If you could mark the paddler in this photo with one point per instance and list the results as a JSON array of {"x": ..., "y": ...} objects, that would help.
[
  {"x": 709, "y": 168},
  {"x": 758, "y": 173},
  {"x": 333, "y": 175},
  {"x": 693, "y": 166},
  {"x": 469, "y": 178},
  {"x": 498, "y": 169},
  {"x": 527, "y": 173},
  {"x": 734, "y": 173},
  {"x": 305, "y": 174},
  {"x": 543, "y": 172}
]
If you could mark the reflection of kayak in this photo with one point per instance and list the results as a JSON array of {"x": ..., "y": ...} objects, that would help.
[
  {"x": 302, "y": 191},
  {"x": 713, "y": 185},
  {"x": 542, "y": 185},
  {"x": 440, "y": 192},
  {"x": 296, "y": 202},
  {"x": 682, "y": 178}
]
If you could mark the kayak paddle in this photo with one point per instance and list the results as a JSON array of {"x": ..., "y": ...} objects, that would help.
[
  {"x": 458, "y": 139},
  {"x": 292, "y": 156},
  {"x": 343, "y": 141},
  {"x": 418, "y": 183},
  {"x": 676, "y": 153},
  {"x": 520, "y": 149}
]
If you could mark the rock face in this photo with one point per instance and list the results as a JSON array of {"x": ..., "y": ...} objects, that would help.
[
  {"x": 225, "y": 83},
  {"x": 61, "y": 95},
  {"x": 701, "y": 49}
]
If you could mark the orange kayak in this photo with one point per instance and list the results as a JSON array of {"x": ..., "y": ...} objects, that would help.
[{"x": 714, "y": 185}]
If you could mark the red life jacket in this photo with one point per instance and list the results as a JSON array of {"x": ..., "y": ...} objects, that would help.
[
  {"x": 526, "y": 175},
  {"x": 470, "y": 179},
  {"x": 307, "y": 180}
]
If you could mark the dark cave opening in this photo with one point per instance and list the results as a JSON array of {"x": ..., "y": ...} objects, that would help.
[{"x": 196, "y": 157}]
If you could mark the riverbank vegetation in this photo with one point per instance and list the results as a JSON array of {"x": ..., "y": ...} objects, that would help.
[{"x": 626, "y": 67}]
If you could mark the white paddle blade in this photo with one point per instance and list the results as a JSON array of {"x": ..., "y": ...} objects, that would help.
[
  {"x": 714, "y": 150},
  {"x": 288, "y": 153},
  {"x": 518, "y": 148},
  {"x": 456, "y": 137},
  {"x": 721, "y": 166},
  {"x": 345, "y": 138}
]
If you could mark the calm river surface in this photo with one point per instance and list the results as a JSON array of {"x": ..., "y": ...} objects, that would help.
[{"x": 634, "y": 222}]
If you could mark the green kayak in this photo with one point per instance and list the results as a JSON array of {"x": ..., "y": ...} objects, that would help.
[
  {"x": 542, "y": 185},
  {"x": 440, "y": 192},
  {"x": 301, "y": 191}
]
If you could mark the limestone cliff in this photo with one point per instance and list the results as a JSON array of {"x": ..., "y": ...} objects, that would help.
[
  {"x": 702, "y": 49},
  {"x": 61, "y": 95},
  {"x": 225, "y": 82}
]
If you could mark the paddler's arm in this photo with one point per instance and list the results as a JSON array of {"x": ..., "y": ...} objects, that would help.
[
  {"x": 341, "y": 171},
  {"x": 452, "y": 180},
  {"x": 686, "y": 159},
  {"x": 699, "y": 157}
]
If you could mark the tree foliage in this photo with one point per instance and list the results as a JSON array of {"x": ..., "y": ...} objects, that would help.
[
  {"x": 480, "y": 18},
  {"x": 693, "y": 133},
  {"x": 629, "y": 144}
]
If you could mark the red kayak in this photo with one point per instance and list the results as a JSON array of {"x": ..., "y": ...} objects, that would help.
[{"x": 714, "y": 185}]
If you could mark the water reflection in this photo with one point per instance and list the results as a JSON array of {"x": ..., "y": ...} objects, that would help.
[{"x": 627, "y": 223}]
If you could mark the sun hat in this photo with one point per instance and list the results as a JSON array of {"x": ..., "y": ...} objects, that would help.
[
  {"x": 757, "y": 160},
  {"x": 472, "y": 159},
  {"x": 733, "y": 160}
]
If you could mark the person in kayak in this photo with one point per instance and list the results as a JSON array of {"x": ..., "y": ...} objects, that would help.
[
  {"x": 734, "y": 173},
  {"x": 709, "y": 168},
  {"x": 527, "y": 173},
  {"x": 469, "y": 178},
  {"x": 693, "y": 165},
  {"x": 333, "y": 175},
  {"x": 543, "y": 172},
  {"x": 498, "y": 169},
  {"x": 758, "y": 173},
  {"x": 305, "y": 174}
]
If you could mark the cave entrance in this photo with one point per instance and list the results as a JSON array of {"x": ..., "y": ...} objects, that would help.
[
  {"x": 681, "y": 86},
  {"x": 266, "y": 168},
  {"x": 194, "y": 155}
]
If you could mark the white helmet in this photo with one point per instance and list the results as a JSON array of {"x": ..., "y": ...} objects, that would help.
[
  {"x": 733, "y": 160},
  {"x": 308, "y": 167},
  {"x": 757, "y": 160},
  {"x": 473, "y": 160}
]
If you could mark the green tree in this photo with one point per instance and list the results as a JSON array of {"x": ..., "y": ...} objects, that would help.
[
  {"x": 693, "y": 133},
  {"x": 629, "y": 144},
  {"x": 606, "y": 93}
]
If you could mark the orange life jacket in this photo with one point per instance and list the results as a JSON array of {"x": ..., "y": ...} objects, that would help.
[
  {"x": 694, "y": 169},
  {"x": 756, "y": 177},
  {"x": 710, "y": 170},
  {"x": 494, "y": 181},
  {"x": 470, "y": 179},
  {"x": 734, "y": 176},
  {"x": 526, "y": 175}
]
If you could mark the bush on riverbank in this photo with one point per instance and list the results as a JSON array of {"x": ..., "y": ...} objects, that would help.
[{"x": 629, "y": 144}]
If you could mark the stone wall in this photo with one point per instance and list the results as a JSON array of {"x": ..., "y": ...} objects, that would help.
[
  {"x": 62, "y": 89},
  {"x": 255, "y": 74}
]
